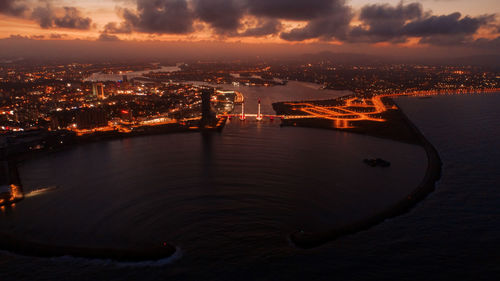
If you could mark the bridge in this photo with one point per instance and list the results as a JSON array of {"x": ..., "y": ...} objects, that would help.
[
  {"x": 259, "y": 116},
  {"x": 351, "y": 109}
]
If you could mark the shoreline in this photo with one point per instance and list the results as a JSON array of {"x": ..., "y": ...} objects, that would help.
[
  {"x": 36, "y": 249},
  {"x": 113, "y": 135},
  {"x": 299, "y": 238},
  {"x": 307, "y": 240}
]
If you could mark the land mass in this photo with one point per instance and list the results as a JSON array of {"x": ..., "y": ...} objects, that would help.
[{"x": 395, "y": 126}]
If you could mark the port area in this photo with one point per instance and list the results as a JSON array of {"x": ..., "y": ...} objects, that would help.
[
  {"x": 382, "y": 119},
  {"x": 376, "y": 116},
  {"x": 19, "y": 147}
]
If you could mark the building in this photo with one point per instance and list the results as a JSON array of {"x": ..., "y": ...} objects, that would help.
[
  {"x": 91, "y": 118},
  {"x": 206, "y": 95},
  {"x": 207, "y": 116},
  {"x": 98, "y": 90}
]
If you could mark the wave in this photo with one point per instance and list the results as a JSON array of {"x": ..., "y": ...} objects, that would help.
[{"x": 40, "y": 191}]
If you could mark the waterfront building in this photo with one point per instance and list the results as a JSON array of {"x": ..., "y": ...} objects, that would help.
[
  {"x": 91, "y": 118},
  {"x": 207, "y": 116}
]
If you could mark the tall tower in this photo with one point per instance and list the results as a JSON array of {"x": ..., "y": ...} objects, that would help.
[
  {"x": 207, "y": 116},
  {"x": 259, "y": 116}
]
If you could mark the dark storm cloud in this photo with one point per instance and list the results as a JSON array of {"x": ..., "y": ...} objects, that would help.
[
  {"x": 447, "y": 24},
  {"x": 326, "y": 17},
  {"x": 493, "y": 44},
  {"x": 291, "y": 9},
  {"x": 222, "y": 15},
  {"x": 385, "y": 23},
  {"x": 160, "y": 16},
  {"x": 44, "y": 16},
  {"x": 13, "y": 7},
  {"x": 71, "y": 18},
  {"x": 334, "y": 25}
]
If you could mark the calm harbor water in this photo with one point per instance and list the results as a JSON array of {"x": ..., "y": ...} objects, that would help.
[{"x": 229, "y": 200}]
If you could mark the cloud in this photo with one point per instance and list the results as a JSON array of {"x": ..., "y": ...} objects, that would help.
[
  {"x": 108, "y": 37},
  {"x": 160, "y": 16},
  {"x": 386, "y": 23},
  {"x": 451, "y": 24},
  {"x": 447, "y": 29},
  {"x": 333, "y": 25},
  {"x": 18, "y": 37},
  {"x": 222, "y": 15},
  {"x": 113, "y": 27},
  {"x": 57, "y": 36},
  {"x": 44, "y": 16},
  {"x": 383, "y": 22},
  {"x": 67, "y": 17},
  {"x": 72, "y": 19},
  {"x": 321, "y": 20},
  {"x": 493, "y": 44},
  {"x": 13, "y": 7},
  {"x": 263, "y": 28},
  {"x": 292, "y": 9},
  {"x": 326, "y": 17}
]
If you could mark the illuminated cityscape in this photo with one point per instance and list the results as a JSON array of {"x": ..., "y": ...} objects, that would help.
[{"x": 249, "y": 140}]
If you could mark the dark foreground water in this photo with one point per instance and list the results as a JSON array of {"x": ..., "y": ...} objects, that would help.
[{"x": 228, "y": 201}]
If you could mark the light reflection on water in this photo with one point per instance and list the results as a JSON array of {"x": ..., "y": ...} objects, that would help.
[{"x": 228, "y": 201}]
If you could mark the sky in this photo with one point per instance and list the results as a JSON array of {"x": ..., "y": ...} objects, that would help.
[{"x": 417, "y": 26}]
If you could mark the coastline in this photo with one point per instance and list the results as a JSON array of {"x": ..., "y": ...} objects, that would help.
[
  {"x": 300, "y": 239},
  {"x": 113, "y": 135},
  {"x": 36, "y": 249},
  {"x": 308, "y": 240}
]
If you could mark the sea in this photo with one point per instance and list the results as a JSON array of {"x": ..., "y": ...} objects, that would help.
[{"x": 229, "y": 200}]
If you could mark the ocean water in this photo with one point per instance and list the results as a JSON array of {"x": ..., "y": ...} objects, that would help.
[{"x": 229, "y": 200}]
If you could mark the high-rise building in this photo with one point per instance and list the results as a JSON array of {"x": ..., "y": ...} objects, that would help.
[
  {"x": 98, "y": 90},
  {"x": 207, "y": 116},
  {"x": 205, "y": 103}
]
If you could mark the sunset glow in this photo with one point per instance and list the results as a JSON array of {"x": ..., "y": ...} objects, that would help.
[{"x": 321, "y": 21}]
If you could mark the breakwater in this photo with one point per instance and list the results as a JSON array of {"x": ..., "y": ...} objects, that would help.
[{"x": 412, "y": 134}]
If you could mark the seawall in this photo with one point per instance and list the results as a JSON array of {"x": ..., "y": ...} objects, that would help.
[{"x": 306, "y": 240}]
